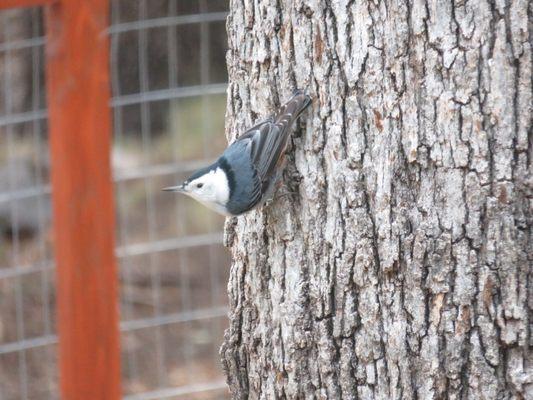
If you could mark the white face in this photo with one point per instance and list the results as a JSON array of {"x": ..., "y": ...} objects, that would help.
[{"x": 211, "y": 189}]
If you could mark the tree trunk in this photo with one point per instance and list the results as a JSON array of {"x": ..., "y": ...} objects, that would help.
[{"x": 394, "y": 261}]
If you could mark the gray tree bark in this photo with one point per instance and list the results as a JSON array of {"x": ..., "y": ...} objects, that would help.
[{"x": 395, "y": 262}]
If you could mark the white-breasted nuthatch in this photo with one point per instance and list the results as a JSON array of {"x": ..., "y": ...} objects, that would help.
[{"x": 245, "y": 175}]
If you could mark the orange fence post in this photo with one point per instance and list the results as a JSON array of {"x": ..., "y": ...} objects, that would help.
[{"x": 77, "y": 67}]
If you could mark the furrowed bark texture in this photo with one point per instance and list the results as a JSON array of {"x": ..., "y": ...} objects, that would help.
[{"x": 394, "y": 262}]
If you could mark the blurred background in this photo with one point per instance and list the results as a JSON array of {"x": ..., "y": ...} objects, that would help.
[{"x": 168, "y": 82}]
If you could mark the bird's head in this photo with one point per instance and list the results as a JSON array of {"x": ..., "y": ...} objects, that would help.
[{"x": 209, "y": 186}]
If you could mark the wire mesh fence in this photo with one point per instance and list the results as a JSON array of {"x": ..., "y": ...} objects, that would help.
[
  {"x": 27, "y": 338},
  {"x": 168, "y": 81}
]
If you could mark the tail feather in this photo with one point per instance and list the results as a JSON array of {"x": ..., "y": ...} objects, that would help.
[
  {"x": 277, "y": 140},
  {"x": 292, "y": 109}
]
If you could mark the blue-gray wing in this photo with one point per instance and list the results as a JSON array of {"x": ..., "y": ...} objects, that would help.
[
  {"x": 267, "y": 140},
  {"x": 243, "y": 179},
  {"x": 256, "y": 155}
]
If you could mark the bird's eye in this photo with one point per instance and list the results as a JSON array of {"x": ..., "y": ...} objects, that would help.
[{"x": 199, "y": 185}]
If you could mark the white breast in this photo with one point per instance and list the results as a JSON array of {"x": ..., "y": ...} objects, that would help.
[{"x": 221, "y": 185}]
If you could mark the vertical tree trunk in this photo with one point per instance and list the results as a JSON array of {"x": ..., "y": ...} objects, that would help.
[{"x": 394, "y": 262}]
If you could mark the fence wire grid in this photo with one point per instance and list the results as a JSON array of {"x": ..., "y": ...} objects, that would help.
[{"x": 168, "y": 79}]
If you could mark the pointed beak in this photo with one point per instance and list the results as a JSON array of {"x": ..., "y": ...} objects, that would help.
[{"x": 178, "y": 188}]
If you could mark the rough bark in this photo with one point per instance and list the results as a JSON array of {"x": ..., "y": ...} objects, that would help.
[{"x": 394, "y": 263}]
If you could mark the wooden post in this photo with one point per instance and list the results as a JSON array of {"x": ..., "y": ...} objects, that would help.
[{"x": 77, "y": 67}]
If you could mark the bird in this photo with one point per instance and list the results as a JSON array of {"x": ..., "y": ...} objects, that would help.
[{"x": 244, "y": 177}]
